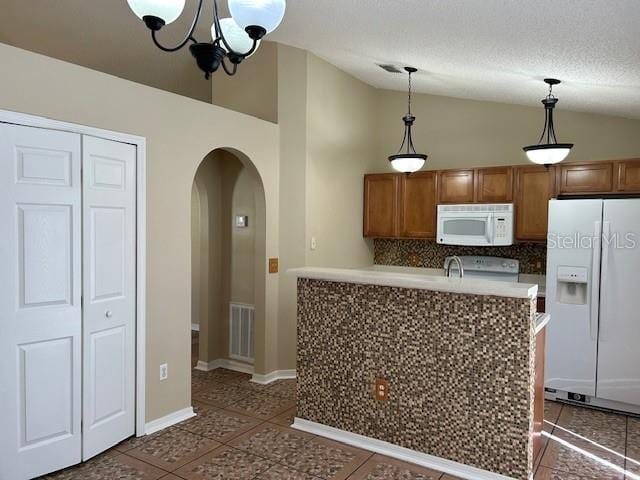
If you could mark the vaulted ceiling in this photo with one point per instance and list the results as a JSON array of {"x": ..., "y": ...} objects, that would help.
[{"x": 497, "y": 50}]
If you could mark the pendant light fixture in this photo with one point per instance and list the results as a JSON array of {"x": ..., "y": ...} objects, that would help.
[
  {"x": 233, "y": 39},
  {"x": 548, "y": 151},
  {"x": 407, "y": 160}
]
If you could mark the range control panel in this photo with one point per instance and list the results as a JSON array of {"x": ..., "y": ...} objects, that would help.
[{"x": 480, "y": 263}]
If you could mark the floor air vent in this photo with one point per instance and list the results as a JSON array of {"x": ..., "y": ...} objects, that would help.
[{"x": 241, "y": 332}]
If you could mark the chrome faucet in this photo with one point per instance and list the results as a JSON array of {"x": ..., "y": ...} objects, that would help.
[{"x": 447, "y": 266}]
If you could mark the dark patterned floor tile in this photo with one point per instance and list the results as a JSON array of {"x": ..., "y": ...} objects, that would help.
[
  {"x": 283, "y": 388},
  {"x": 548, "y": 474},
  {"x": 327, "y": 459},
  {"x": 109, "y": 467},
  {"x": 601, "y": 465},
  {"x": 225, "y": 463},
  {"x": 633, "y": 448},
  {"x": 380, "y": 467},
  {"x": 173, "y": 448},
  {"x": 279, "y": 472},
  {"x": 598, "y": 429},
  {"x": 285, "y": 419},
  {"x": 272, "y": 441},
  {"x": 551, "y": 414},
  {"x": 216, "y": 424},
  {"x": 220, "y": 394},
  {"x": 262, "y": 406}
]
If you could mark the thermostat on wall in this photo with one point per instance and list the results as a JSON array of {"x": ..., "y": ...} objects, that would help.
[{"x": 242, "y": 221}]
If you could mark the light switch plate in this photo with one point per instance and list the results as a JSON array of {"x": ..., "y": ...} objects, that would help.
[{"x": 164, "y": 371}]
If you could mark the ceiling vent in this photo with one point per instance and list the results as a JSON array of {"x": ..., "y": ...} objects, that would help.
[{"x": 390, "y": 68}]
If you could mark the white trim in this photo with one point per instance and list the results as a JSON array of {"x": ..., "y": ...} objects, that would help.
[
  {"x": 273, "y": 376},
  {"x": 169, "y": 420},
  {"x": 394, "y": 451},
  {"x": 195, "y": 327},
  {"x": 224, "y": 363},
  {"x": 141, "y": 245}
]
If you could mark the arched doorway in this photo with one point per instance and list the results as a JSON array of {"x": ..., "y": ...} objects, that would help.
[{"x": 228, "y": 262}]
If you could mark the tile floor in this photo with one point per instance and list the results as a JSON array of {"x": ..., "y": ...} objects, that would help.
[{"x": 242, "y": 431}]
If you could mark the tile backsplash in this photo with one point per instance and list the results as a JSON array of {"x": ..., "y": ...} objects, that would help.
[{"x": 429, "y": 254}]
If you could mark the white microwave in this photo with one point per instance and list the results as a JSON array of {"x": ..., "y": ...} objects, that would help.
[{"x": 475, "y": 224}]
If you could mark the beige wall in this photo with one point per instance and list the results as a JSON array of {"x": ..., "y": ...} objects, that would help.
[
  {"x": 461, "y": 133},
  {"x": 243, "y": 240},
  {"x": 254, "y": 88},
  {"x": 88, "y": 38},
  {"x": 180, "y": 132}
]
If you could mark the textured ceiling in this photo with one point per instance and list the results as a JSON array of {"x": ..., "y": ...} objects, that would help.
[{"x": 497, "y": 50}]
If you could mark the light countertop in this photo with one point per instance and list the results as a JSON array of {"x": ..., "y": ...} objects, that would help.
[{"x": 422, "y": 279}]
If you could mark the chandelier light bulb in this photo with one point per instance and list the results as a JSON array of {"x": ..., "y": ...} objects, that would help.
[
  {"x": 267, "y": 14},
  {"x": 166, "y": 10},
  {"x": 235, "y": 36}
]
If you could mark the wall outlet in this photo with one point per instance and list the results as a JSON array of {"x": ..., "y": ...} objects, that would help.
[
  {"x": 314, "y": 244},
  {"x": 164, "y": 371},
  {"x": 382, "y": 390}
]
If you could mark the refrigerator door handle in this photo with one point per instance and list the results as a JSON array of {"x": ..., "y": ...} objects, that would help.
[
  {"x": 606, "y": 244},
  {"x": 595, "y": 280}
]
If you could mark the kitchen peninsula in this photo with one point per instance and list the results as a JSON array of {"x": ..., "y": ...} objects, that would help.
[{"x": 456, "y": 358}]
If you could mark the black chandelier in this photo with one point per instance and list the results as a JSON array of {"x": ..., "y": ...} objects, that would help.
[
  {"x": 233, "y": 39},
  {"x": 548, "y": 151},
  {"x": 407, "y": 160}
]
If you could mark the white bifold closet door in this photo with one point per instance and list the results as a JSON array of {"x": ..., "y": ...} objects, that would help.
[
  {"x": 40, "y": 309},
  {"x": 67, "y": 372},
  {"x": 109, "y": 262}
]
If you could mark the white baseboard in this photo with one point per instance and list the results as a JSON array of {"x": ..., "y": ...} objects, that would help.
[
  {"x": 168, "y": 420},
  {"x": 384, "y": 448},
  {"x": 273, "y": 376},
  {"x": 195, "y": 327},
  {"x": 225, "y": 363}
]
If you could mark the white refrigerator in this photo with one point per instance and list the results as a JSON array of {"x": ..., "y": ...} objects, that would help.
[{"x": 593, "y": 296}]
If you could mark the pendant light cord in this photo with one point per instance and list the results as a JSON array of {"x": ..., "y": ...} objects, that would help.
[{"x": 409, "y": 93}]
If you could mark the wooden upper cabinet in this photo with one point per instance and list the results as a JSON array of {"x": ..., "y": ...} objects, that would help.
[
  {"x": 418, "y": 205},
  {"x": 628, "y": 176},
  {"x": 381, "y": 205},
  {"x": 494, "y": 185},
  {"x": 456, "y": 186},
  {"x": 534, "y": 186},
  {"x": 585, "y": 178}
]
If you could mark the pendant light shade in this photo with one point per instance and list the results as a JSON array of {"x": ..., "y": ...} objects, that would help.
[
  {"x": 548, "y": 151},
  {"x": 236, "y": 37},
  {"x": 166, "y": 10},
  {"x": 258, "y": 13},
  {"x": 407, "y": 160}
]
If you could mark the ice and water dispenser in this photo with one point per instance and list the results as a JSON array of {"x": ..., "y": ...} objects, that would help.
[{"x": 572, "y": 285}]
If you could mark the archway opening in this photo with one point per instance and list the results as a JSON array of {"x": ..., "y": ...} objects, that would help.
[{"x": 228, "y": 265}]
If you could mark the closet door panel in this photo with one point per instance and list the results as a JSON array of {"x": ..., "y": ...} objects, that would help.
[
  {"x": 40, "y": 304},
  {"x": 109, "y": 213}
]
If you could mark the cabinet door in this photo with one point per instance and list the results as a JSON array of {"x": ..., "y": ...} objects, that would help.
[
  {"x": 456, "y": 186},
  {"x": 418, "y": 205},
  {"x": 596, "y": 177},
  {"x": 628, "y": 176},
  {"x": 494, "y": 185},
  {"x": 534, "y": 188},
  {"x": 381, "y": 205}
]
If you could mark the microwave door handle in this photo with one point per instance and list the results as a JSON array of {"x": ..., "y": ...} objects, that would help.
[
  {"x": 490, "y": 229},
  {"x": 595, "y": 280}
]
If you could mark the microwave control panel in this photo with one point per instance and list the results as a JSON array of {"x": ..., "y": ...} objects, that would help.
[{"x": 501, "y": 227}]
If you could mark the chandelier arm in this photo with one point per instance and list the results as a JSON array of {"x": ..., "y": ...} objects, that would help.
[
  {"x": 552, "y": 129},
  {"x": 413, "y": 149},
  {"x": 221, "y": 38},
  {"x": 231, "y": 72},
  {"x": 404, "y": 140},
  {"x": 188, "y": 37},
  {"x": 544, "y": 129}
]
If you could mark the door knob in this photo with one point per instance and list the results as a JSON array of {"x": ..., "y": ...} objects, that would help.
[{"x": 108, "y": 314}]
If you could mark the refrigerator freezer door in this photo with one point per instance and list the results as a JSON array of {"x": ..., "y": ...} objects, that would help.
[
  {"x": 619, "y": 342},
  {"x": 573, "y": 245}
]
